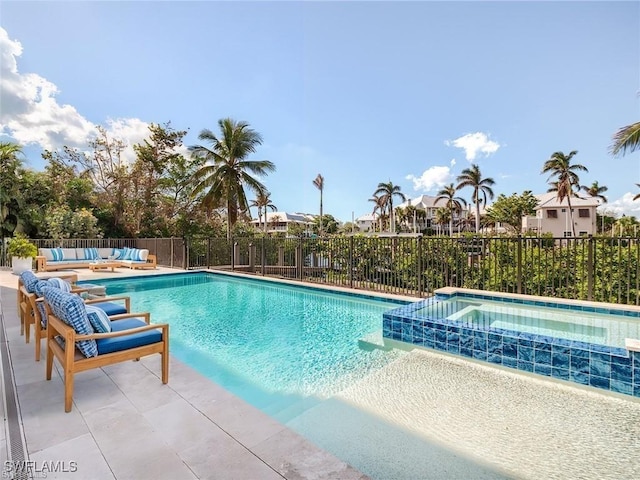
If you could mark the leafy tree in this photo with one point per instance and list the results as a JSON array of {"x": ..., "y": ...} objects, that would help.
[
  {"x": 510, "y": 210},
  {"x": 327, "y": 224},
  {"x": 595, "y": 191},
  {"x": 452, "y": 202},
  {"x": 378, "y": 206},
  {"x": 318, "y": 182},
  {"x": 263, "y": 202},
  {"x": 227, "y": 170},
  {"x": 563, "y": 178},
  {"x": 471, "y": 177},
  {"x": 387, "y": 191},
  {"x": 626, "y": 140},
  {"x": 10, "y": 172}
]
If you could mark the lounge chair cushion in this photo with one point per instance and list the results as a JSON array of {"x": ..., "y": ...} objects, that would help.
[
  {"x": 61, "y": 284},
  {"x": 110, "y": 345},
  {"x": 71, "y": 310},
  {"x": 91, "y": 254},
  {"x": 98, "y": 319},
  {"x": 29, "y": 280},
  {"x": 110, "y": 308}
]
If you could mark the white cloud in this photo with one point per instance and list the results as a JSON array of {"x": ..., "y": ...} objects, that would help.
[
  {"x": 31, "y": 114},
  {"x": 474, "y": 144},
  {"x": 431, "y": 178},
  {"x": 623, "y": 205},
  {"x": 452, "y": 162}
]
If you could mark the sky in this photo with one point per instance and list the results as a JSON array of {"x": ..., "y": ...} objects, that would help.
[{"x": 360, "y": 92}]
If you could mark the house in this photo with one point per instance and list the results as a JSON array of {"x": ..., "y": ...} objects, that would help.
[
  {"x": 368, "y": 222},
  {"x": 280, "y": 222},
  {"x": 552, "y": 216},
  {"x": 426, "y": 217}
]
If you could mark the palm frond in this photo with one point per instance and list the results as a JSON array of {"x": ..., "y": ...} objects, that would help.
[{"x": 626, "y": 140}]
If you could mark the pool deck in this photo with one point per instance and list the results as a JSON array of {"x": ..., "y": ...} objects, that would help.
[{"x": 126, "y": 424}]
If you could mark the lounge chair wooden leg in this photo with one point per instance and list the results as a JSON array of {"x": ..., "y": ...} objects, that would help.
[
  {"x": 27, "y": 330},
  {"x": 165, "y": 360},
  {"x": 38, "y": 345},
  {"x": 68, "y": 390},
  {"x": 49, "y": 361}
]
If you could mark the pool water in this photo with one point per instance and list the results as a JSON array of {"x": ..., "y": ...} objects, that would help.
[
  {"x": 281, "y": 348},
  {"x": 582, "y": 326}
]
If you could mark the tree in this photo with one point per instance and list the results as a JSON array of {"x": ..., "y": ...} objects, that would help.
[
  {"x": 227, "y": 171},
  {"x": 327, "y": 224},
  {"x": 563, "y": 178},
  {"x": 387, "y": 191},
  {"x": 595, "y": 191},
  {"x": 319, "y": 184},
  {"x": 626, "y": 140},
  {"x": 10, "y": 171},
  {"x": 443, "y": 216},
  {"x": 471, "y": 177},
  {"x": 638, "y": 194},
  {"x": 453, "y": 203},
  {"x": 378, "y": 206},
  {"x": 510, "y": 210},
  {"x": 262, "y": 202}
]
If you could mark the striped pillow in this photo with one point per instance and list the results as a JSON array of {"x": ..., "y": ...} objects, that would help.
[
  {"x": 60, "y": 284},
  {"x": 57, "y": 255},
  {"x": 29, "y": 280},
  {"x": 91, "y": 254},
  {"x": 98, "y": 319}
]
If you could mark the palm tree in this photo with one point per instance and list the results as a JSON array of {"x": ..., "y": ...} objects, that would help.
[
  {"x": 453, "y": 203},
  {"x": 227, "y": 170},
  {"x": 595, "y": 191},
  {"x": 626, "y": 140},
  {"x": 637, "y": 195},
  {"x": 378, "y": 205},
  {"x": 471, "y": 177},
  {"x": 443, "y": 216},
  {"x": 319, "y": 183},
  {"x": 563, "y": 178},
  {"x": 388, "y": 191},
  {"x": 263, "y": 202}
]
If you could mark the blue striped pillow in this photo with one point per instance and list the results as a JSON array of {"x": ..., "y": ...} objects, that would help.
[
  {"x": 118, "y": 254},
  {"x": 136, "y": 255},
  {"x": 98, "y": 319},
  {"x": 57, "y": 255},
  {"x": 127, "y": 253},
  {"x": 91, "y": 254},
  {"x": 60, "y": 284}
]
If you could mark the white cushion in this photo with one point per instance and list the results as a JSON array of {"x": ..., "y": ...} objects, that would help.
[
  {"x": 46, "y": 253},
  {"x": 69, "y": 254},
  {"x": 144, "y": 253},
  {"x": 104, "y": 252},
  {"x": 79, "y": 254}
]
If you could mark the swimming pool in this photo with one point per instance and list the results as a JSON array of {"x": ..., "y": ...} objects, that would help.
[
  {"x": 584, "y": 342},
  {"x": 281, "y": 348}
]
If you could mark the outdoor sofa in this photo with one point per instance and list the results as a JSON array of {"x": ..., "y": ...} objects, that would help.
[{"x": 50, "y": 259}]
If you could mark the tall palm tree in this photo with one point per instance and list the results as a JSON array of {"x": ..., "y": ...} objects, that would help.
[
  {"x": 626, "y": 140},
  {"x": 227, "y": 170},
  {"x": 319, "y": 183},
  {"x": 453, "y": 203},
  {"x": 388, "y": 191},
  {"x": 595, "y": 191},
  {"x": 378, "y": 205},
  {"x": 442, "y": 216},
  {"x": 471, "y": 177},
  {"x": 563, "y": 178},
  {"x": 263, "y": 202}
]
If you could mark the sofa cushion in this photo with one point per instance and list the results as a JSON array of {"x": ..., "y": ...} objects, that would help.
[
  {"x": 105, "y": 252},
  {"x": 118, "y": 253},
  {"x": 29, "y": 280},
  {"x": 91, "y": 254},
  {"x": 57, "y": 254},
  {"x": 68, "y": 254},
  {"x": 71, "y": 310},
  {"x": 98, "y": 319},
  {"x": 111, "y": 308},
  {"x": 61, "y": 284},
  {"x": 110, "y": 345},
  {"x": 46, "y": 253}
]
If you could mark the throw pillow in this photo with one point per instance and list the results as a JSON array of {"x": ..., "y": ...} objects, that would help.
[{"x": 98, "y": 319}]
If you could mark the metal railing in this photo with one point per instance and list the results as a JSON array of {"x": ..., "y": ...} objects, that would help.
[{"x": 585, "y": 268}]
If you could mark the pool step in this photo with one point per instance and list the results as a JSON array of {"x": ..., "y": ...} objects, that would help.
[{"x": 373, "y": 341}]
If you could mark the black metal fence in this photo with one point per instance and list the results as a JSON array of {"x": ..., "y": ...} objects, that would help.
[{"x": 585, "y": 268}]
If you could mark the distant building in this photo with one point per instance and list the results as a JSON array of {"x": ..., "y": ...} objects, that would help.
[
  {"x": 368, "y": 222},
  {"x": 429, "y": 206},
  {"x": 552, "y": 216},
  {"x": 280, "y": 222}
]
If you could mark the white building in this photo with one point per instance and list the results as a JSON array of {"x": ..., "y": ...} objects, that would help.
[
  {"x": 552, "y": 216},
  {"x": 429, "y": 205},
  {"x": 368, "y": 222},
  {"x": 279, "y": 222}
]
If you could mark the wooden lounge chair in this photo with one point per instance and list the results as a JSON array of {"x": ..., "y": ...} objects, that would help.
[{"x": 70, "y": 339}]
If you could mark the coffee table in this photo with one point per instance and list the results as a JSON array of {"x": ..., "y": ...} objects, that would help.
[{"x": 103, "y": 265}]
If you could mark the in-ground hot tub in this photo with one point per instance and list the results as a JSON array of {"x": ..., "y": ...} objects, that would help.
[{"x": 589, "y": 343}]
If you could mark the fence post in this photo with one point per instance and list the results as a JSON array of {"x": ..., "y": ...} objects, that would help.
[
  {"x": 208, "y": 253},
  {"x": 252, "y": 257},
  {"x": 351, "y": 261},
  {"x": 171, "y": 252},
  {"x": 519, "y": 265},
  {"x": 590, "y": 268},
  {"x": 185, "y": 254},
  {"x": 280, "y": 255},
  {"x": 234, "y": 252},
  {"x": 299, "y": 265},
  {"x": 419, "y": 265},
  {"x": 263, "y": 257}
]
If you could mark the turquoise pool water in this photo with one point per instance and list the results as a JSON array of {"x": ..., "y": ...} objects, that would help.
[{"x": 281, "y": 348}]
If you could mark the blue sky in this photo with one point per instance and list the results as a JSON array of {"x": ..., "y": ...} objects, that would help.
[{"x": 361, "y": 92}]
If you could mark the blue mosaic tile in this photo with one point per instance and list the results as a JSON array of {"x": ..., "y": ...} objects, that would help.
[
  {"x": 579, "y": 377},
  {"x": 453, "y": 348},
  {"x": 636, "y": 359},
  {"x": 621, "y": 387},
  {"x": 510, "y": 362},
  {"x": 560, "y": 349},
  {"x": 510, "y": 341},
  {"x": 561, "y": 342},
  {"x": 441, "y": 336},
  {"x": 510, "y": 351},
  {"x": 396, "y": 327},
  {"x": 466, "y": 341},
  {"x": 467, "y": 331},
  {"x": 525, "y": 366},
  {"x": 621, "y": 372},
  {"x": 494, "y": 342},
  {"x": 560, "y": 360},
  {"x": 417, "y": 332},
  {"x": 396, "y": 336},
  {"x": 525, "y": 353},
  {"x": 480, "y": 354},
  {"x": 579, "y": 364},
  {"x": 440, "y": 346},
  {"x": 542, "y": 369},
  {"x": 407, "y": 332},
  {"x": 429, "y": 335},
  {"x": 600, "y": 365},
  {"x": 600, "y": 382},
  {"x": 467, "y": 352},
  {"x": 453, "y": 338},
  {"x": 636, "y": 390},
  {"x": 451, "y": 328},
  {"x": 440, "y": 326},
  {"x": 524, "y": 342},
  {"x": 561, "y": 373},
  {"x": 495, "y": 358},
  {"x": 580, "y": 353},
  {"x": 480, "y": 341},
  {"x": 544, "y": 346},
  {"x": 618, "y": 360},
  {"x": 429, "y": 343},
  {"x": 542, "y": 357}
]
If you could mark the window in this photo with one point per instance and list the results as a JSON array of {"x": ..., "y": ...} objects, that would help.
[
  {"x": 552, "y": 213},
  {"x": 564, "y": 210},
  {"x": 583, "y": 234},
  {"x": 568, "y": 234},
  {"x": 583, "y": 213}
]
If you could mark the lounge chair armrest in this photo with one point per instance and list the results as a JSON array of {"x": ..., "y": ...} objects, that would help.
[
  {"x": 122, "y": 333},
  {"x": 120, "y": 316}
]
